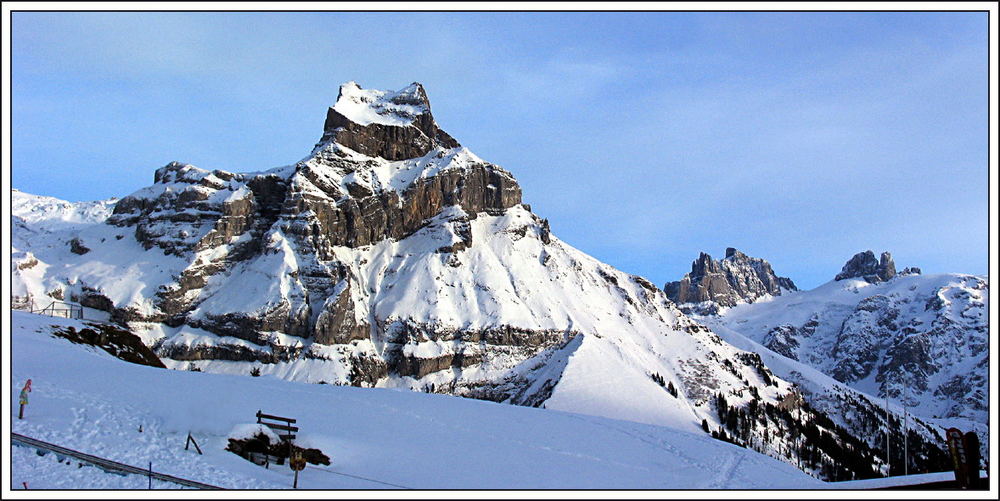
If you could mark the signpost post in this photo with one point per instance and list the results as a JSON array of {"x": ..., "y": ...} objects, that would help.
[{"x": 298, "y": 463}]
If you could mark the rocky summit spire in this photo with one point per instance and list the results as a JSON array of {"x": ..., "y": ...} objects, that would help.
[
  {"x": 394, "y": 125},
  {"x": 736, "y": 279},
  {"x": 864, "y": 265}
]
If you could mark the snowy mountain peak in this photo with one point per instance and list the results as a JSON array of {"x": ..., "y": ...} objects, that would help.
[
  {"x": 393, "y": 125},
  {"x": 381, "y": 170},
  {"x": 864, "y": 265},
  {"x": 390, "y": 256},
  {"x": 368, "y": 106},
  {"x": 736, "y": 279}
]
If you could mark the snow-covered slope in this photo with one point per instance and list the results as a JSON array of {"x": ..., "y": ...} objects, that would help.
[
  {"x": 376, "y": 438},
  {"x": 41, "y": 222},
  {"x": 868, "y": 340},
  {"x": 47, "y": 213},
  {"x": 918, "y": 339}
]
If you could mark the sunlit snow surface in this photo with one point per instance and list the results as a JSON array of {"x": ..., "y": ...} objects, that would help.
[
  {"x": 86, "y": 400},
  {"x": 368, "y": 106}
]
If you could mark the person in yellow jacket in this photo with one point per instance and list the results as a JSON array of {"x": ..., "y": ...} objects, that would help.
[{"x": 24, "y": 398}]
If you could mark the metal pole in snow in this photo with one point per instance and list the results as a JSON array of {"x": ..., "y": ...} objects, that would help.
[
  {"x": 906, "y": 436},
  {"x": 906, "y": 442},
  {"x": 150, "y": 475},
  {"x": 888, "y": 462},
  {"x": 799, "y": 440}
]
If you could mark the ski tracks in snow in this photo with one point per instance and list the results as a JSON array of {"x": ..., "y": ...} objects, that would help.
[
  {"x": 672, "y": 450},
  {"x": 727, "y": 472}
]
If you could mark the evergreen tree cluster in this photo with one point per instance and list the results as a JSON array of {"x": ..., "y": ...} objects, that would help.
[
  {"x": 810, "y": 439},
  {"x": 663, "y": 383},
  {"x": 753, "y": 360}
]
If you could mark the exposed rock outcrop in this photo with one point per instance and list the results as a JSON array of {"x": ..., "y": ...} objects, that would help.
[
  {"x": 117, "y": 342},
  {"x": 76, "y": 247},
  {"x": 737, "y": 278},
  {"x": 864, "y": 265}
]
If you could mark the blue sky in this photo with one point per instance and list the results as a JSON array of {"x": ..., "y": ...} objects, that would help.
[{"x": 644, "y": 138}]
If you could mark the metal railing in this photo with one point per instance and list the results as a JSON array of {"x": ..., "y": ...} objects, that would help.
[
  {"x": 104, "y": 464},
  {"x": 61, "y": 309}
]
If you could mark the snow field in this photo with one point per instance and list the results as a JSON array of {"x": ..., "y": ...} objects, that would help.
[{"x": 91, "y": 402}]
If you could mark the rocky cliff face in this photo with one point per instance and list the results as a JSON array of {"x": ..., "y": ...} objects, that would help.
[
  {"x": 735, "y": 279},
  {"x": 918, "y": 342}
]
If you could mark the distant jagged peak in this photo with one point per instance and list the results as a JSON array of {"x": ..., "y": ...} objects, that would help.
[
  {"x": 704, "y": 265},
  {"x": 737, "y": 278},
  {"x": 864, "y": 265}
]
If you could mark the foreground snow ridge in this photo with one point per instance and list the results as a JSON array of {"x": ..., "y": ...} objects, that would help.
[{"x": 91, "y": 402}]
